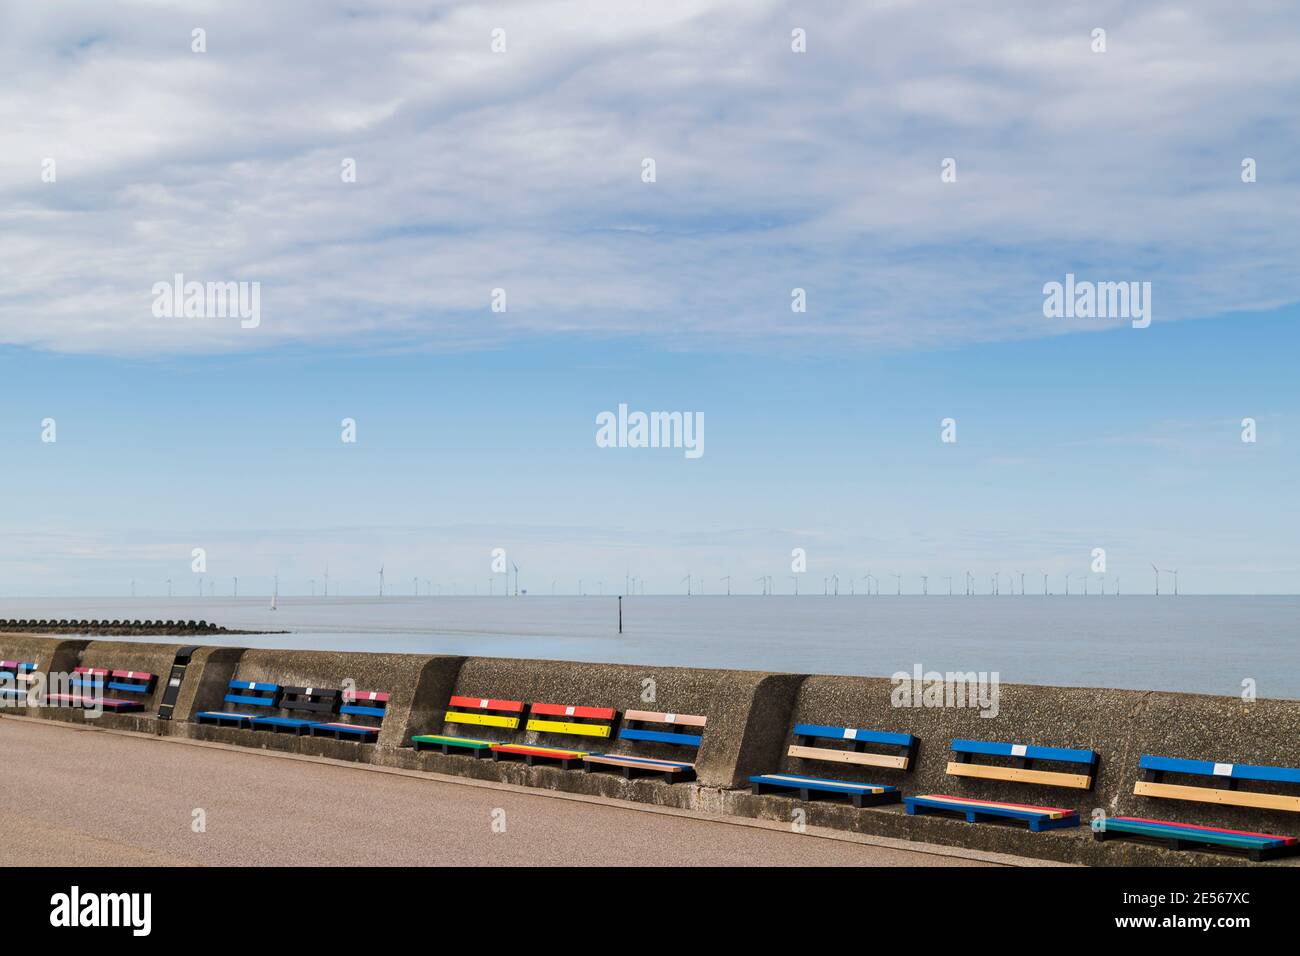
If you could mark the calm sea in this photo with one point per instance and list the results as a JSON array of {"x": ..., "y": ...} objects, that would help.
[{"x": 1202, "y": 644}]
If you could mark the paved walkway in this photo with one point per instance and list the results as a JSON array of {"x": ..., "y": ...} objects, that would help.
[{"x": 72, "y": 797}]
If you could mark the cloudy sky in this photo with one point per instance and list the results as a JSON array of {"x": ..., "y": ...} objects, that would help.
[{"x": 128, "y": 157}]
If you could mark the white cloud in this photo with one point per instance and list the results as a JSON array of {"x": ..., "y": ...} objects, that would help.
[{"x": 521, "y": 170}]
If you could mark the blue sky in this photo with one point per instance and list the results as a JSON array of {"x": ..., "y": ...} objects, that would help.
[{"x": 522, "y": 170}]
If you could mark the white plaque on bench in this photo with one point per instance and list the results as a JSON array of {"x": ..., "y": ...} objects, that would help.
[
  {"x": 1223, "y": 770},
  {"x": 1019, "y": 750}
]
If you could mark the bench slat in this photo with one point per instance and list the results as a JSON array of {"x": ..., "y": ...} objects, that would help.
[
  {"x": 1028, "y": 751},
  {"x": 1207, "y": 768},
  {"x": 659, "y": 736},
  {"x": 482, "y": 720},
  {"x": 568, "y": 727},
  {"x": 854, "y": 734},
  {"x": 1020, "y": 775},
  {"x": 487, "y": 703},
  {"x": 889, "y": 761},
  {"x": 653, "y": 717},
  {"x": 573, "y": 710},
  {"x": 1236, "y": 798}
]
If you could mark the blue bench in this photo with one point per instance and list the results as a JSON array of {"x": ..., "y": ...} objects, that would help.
[
  {"x": 363, "y": 704},
  {"x": 1019, "y": 767},
  {"x": 310, "y": 700},
  {"x": 1227, "y": 792},
  {"x": 634, "y": 729},
  {"x": 808, "y": 746},
  {"x": 242, "y": 693}
]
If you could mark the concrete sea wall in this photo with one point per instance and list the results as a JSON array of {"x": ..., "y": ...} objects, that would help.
[{"x": 751, "y": 716}]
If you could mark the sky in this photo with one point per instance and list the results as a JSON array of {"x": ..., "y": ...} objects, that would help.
[{"x": 499, "y": 272}]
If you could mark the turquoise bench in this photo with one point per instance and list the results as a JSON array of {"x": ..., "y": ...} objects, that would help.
[{"x": 1190, "y": 785}]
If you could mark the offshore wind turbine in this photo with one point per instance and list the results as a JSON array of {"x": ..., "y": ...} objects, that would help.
[
  {"x": 925, "y": 585},
  {"x": 381, "y": 580},
  {"x": 1044, "y": 584},
  {"x": 687, "y": 579},
  {"x": 795, "y": 579},
  {"x": 763, "y": 582},
  {"x": 948, "y": 578},
  {"x": 899, "y": 579},
  {"x": 1022, "y": 583},
  {"x": 727, "y": 578},
  {"x": 1157, "y": 571},
  {"x": 1174, "y": 572}
]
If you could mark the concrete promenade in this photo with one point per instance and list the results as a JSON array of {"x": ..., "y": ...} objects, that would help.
[{"x": 76, "y": 797}]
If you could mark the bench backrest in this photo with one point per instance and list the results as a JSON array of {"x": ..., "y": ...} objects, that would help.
[
  {"x": 98, "y": 680},
  {"x": 575, "y": 720},
  {"x": 366, "y": 704},
  {"x": 634, "y": 721},
  {"x": 247, "y": 693},
  {"x": 1154, "y": 768},
  {"x": 485, "y": 712},
  {"x": 810, "y": 741},
  {"x": 1024, "y": 757},
  {"x": 311, "y": 700}
]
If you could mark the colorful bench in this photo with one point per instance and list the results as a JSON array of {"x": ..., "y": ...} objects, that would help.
[
  {"x": 242, "y": 693},
  {"x": 477, "y": 712},
  {"x": 95, "y": 680},
  {"x": 578, "y": 722},
  {"x": 1181, "y": 836},
  {"x": 311, "y": 700},
  {"x": 807, "y": 738},
  {"x": 633, "y": 729},
  {"x": 366, "y": 704},
  {"x": 17, "y": 673},
  {"x": 1022, "y": 770}
]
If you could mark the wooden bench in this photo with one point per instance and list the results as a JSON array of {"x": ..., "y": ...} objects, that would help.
[
  {"x": 93, "y": 681},
  {"x": 808, "y": 739},
  {"x": 14, "y": 676},
  {"x": 242, "y": 693},
  {"x": 303, "y": 700},
  {"x": 1022, "y": 769},
  {"x": 578, "y": 721},
  {"x": 364, "y": 704},
  {"x": 976, "y": 811},
  {"x": 633, "y": 729},
  {"x": 475, "y": 712},
  {"x": 1181, "y": 836}
]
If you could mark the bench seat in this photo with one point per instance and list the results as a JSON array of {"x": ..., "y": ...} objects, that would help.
[
  {"x": 339, "y": 731},
  {"x": 288, "y": 724},
  {"x": 859, "y": 794},
  {"x": 83, "y": 700},
  {"x": 223, "y": 716},
  {"x": 565, "y": 758},
  {"x": 1038, "y": 818},
  {"x": 1259, "y": 846},
  {"x": 671, "y": 770},
  {"x": 480, "y": 748}
]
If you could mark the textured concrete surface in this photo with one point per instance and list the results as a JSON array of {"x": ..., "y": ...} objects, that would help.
[{"x": 88, "y": 798}]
